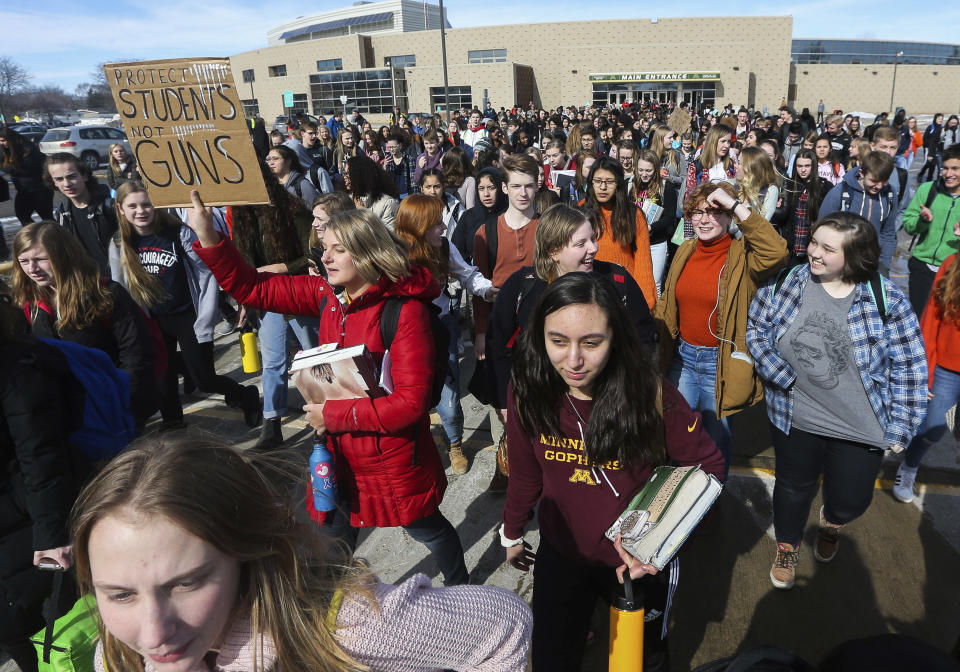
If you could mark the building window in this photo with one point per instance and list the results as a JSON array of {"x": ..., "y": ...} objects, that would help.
[
  {"x": 277, "y": 71},
  {"x": 370, "y": 91},
  {"x": 460, "y": 96},
  {"x": 248, "y": 76},
  {"x": 251, "y": 108},
  {"x": 407, "y": 61},
  {"x": 299, "y": 103},
  {"x": 487, "y": 56},
  {"x": 330, "y": 65}
]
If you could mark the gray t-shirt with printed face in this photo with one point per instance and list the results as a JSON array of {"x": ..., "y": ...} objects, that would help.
[{"x": 828, "y": 396}]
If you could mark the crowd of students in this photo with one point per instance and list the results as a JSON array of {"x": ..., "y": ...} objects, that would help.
[{"x": 673, "y": 276}]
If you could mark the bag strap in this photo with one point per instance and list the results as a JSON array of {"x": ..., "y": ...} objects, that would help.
[
  {"x": 879, "y": 293},
  {"x": 782, "y": 277},
  {"x": 389, "y": 319},
  {"x": 50, "y": 615},
  {"x": 490, "y": 229}
]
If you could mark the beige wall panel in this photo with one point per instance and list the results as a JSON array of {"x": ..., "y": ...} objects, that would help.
[{"x": 867, "y": 88}]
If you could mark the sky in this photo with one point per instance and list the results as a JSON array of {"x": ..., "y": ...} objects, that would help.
[{"x": 63, "y": 46}]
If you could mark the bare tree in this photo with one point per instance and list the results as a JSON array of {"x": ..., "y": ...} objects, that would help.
[{"x": 13, "y": 78}]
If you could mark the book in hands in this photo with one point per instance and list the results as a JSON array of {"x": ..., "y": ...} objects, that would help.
[
  {"x": 328, "y": 372},
  {"x": 665, "y": 512}
]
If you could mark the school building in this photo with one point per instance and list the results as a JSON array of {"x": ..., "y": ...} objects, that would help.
[{"x": 380, "y": 54}]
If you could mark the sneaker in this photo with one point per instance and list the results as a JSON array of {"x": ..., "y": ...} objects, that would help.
[
  {"x": 458, "y": 461},
  {"x": 784, "y": 570},
  {"x": 828, "y": 540},
  {"x": 903, "y": 483},
  {"x": 225, "y": 328}
]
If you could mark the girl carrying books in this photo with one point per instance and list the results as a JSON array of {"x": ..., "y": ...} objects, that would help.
[
  {"x": 589, "y": 420},
  {"x": 387, "y": 467}
]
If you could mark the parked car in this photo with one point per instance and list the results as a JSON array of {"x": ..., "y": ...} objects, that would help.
[
  {"x": 91, "y": 144},
  {"x": 32, "y": 131},
  {"x": 280, "y": 123}
]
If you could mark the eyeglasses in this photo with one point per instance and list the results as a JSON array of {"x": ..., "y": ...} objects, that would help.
[
  {"x": 604, "y": 183},
  {"x": 698, "y": 214}
]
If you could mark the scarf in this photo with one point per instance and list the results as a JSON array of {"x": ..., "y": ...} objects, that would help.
[{"x": 801, "y": 227}]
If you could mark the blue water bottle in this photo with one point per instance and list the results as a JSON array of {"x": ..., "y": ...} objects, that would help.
[{"x": 322, "y": 478}]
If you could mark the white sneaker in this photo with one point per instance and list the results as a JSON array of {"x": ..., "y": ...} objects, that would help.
[{"x": 903, "y": 483}]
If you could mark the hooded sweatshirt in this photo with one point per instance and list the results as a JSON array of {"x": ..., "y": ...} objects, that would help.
[
  {"x": 475, "y": 217},
  {"x": 880, "y": 209},
  {"x": 577, "y": 502}
]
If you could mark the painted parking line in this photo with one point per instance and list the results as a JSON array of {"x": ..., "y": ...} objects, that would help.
[{"x": 879, "y": 484}]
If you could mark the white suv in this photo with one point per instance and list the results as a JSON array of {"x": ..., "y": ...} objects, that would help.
[{"x": 91, "y": 144}]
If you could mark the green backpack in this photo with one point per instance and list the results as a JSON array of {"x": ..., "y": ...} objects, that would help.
[{"x": 68, "y": 643}]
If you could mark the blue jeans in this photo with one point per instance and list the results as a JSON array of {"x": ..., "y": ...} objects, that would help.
[
  {"x": 694, "y": 373},
  {"x": 946, "y": 392},
  {"x": 900, "y": 161},
  {"x": 273, "y": 335},
  {"x": 433, "y": 531},
  {"x": 449, "y": 408}
]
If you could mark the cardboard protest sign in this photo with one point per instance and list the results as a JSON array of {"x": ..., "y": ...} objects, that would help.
[
  {"x": 679, "y": 121},
  {"x": 185, "y": 124}
]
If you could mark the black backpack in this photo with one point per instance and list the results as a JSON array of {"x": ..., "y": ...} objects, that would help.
[{"x": 441, "y": 340}]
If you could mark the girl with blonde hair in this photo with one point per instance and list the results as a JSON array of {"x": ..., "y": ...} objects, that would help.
[
  {"x": 758, "y": 182},
  {"x": 166, "y": 278},
  {"x": 387, "y": 466},
  {"x": 198, "y": 560},
  {"x": 123, "y": 167},
  {"x": 64, "y": 297}
]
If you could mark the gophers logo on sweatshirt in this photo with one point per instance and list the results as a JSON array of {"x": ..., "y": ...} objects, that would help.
[{"x": 565, "y": 449}]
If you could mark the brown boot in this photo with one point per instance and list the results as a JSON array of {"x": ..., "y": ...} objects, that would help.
[{"x": 458, "y": 462}]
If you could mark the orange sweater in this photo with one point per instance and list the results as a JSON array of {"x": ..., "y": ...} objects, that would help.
[
  {"x": 941, "y": 338},
  {"x": 697, "y": 289},
  {"x": 637, "y": 263}
]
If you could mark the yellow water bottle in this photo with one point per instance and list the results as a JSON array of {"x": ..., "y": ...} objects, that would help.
[
  {"x": 249, "y": 349},
  {"x": 626, "y": 630}
]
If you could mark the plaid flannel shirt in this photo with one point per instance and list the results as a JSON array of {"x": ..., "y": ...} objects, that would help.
[
  {"x": 801, "y": 227},
  {"x": 890, "y": 355}
]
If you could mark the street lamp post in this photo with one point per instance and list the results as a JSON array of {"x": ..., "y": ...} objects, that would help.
[
  {"x": 443, "y": 49},
  {"x": 893, "y": 87}
]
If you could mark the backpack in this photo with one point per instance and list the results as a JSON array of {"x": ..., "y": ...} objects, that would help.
[
  {"x": 107, "y": 420},
  {"x": 845, "y": 203},
  {"x": 441, "y": 340},
  {"x": 877, "y": 290}
]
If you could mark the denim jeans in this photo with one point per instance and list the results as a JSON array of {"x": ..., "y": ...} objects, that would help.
[
  {"x": 900, "y": 161},
  {"x": 433, "y": 531},
  {"x": 449, "y": 408},
  {"x": 946, "y": 392},
  {"x": 849, "y": 473},
  {"x": 273, "y": 335},
  {"x": 658, "y": 255},
  {"x": 694, "y": 373}
]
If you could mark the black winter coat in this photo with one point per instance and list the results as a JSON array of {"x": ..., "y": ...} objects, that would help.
[
  {"x": 40, "y": 475},
  {"x": 125, "y": 337}
]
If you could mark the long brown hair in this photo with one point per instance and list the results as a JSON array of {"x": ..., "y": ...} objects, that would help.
[
  {"x": 418, "y": 213},
  {"x": 946, "y": 293},
  {"x": 275, "y": 224},
  {"x": 145, "y": 288},
  {"x": 290, "y": 578},
  {"x": 80, "y": 296},
  {"x": 710, "y": 156}
]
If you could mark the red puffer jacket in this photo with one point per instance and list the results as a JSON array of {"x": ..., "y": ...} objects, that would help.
[{"x": 386, "y": 460}]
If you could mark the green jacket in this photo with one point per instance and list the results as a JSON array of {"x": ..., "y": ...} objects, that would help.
[{"x": 936, "y": 240}]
